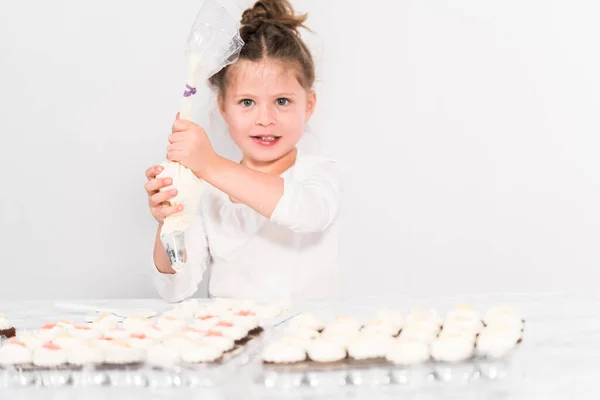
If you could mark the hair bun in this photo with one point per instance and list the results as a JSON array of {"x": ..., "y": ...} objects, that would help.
[{"x": 273, "y": 12}]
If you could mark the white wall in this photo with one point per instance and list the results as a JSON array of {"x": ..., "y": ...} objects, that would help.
[{"x": 468, "y": 131}]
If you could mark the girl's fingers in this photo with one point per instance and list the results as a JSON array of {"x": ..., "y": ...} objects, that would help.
[
  {"x": 155, "y": 184},
  {"x": 153, "y": 171},
  {"x": 160, "y": 197},
  {"x": 163, "y": 212}
]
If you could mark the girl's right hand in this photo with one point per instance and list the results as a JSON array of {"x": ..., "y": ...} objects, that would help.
[{"x": 157, "y": 199}]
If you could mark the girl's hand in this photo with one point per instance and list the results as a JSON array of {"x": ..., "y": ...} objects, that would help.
[
  {"x": 190, "y": 147},
  {"x": 158, "y": 201}
]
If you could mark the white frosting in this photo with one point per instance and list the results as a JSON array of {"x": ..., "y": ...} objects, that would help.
[
  {"x": 367, "y": 346},
  {"x": 122, "y": 353},
  {"x": 154, "y": 332},
  {"x": 48, "y": 331},
  {"x": 84, "y": 332},
  {"x": 67, "y": 341},
  {"x": 295, "y": 340},
  {"x": 177, "y": 341},
  {"x": 283, "y": 352},
  {"x": 201, "y": 352},
  {"x": 344, "y": 321},
  {"x": 117, "y": 333},
  {"x": 105, "y": 322},
  {"x": 452, "y": 348},
  {"x": 163, "y": 356},
  {"x": 179, "y": 313},
  {"x": 140, "y": 341},
  {"x": 31, "y": 340},
  {"x": 426, "y": 334},
  {"x": 307, "y": 321},
  {"x": 235, "y": 332},
  {"x": 321, "y": 350},
  {"x": 425, "y": 317},
  {"x": 458, "y": 324},
  {"x": 192, "y": 306},
  {"x": 249, "y": 322},
  {"x": 170, "y": 324},
  {"x": 268, "y": 311},
  {"x": 503, "y": 314},
  {"x": 306, "y": 333},
  {"x": 381, "y": 326},
  {"x": 407, "y": 352},
  {"x": 189, "y": 192},
  {"x": 204, "y": 323},
  {"x": 342, "y": 339},
  {"x": 135, "y": 324},
  {"x": 221, "y": 342},
  {"x": 390, "y": 317},
  {"x": 85, "y": 355},
  {"x": 4, "y": 323},
  {"x": 14, "y": 352},
  {"x": 193, "y": 334},
  {"x": 49, "y": 356},
  {"x": 463, "y": 311},
  {"x": 341, "y": 328},
  {"x": 496, "y": 343}
]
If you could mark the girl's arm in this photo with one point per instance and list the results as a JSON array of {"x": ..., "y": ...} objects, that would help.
[{"x": 306, "y": 201}]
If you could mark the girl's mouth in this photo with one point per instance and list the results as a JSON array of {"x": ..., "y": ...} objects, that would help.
[{"x": 266, "y": 140}]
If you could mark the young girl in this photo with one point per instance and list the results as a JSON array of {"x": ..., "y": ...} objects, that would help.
[{"x": 266, "y": 226}]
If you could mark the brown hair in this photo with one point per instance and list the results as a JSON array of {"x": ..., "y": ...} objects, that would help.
[{"x": 270, "y": 30}]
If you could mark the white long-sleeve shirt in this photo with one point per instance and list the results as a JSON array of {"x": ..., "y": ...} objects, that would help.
[{"x": 291, "y": 255}]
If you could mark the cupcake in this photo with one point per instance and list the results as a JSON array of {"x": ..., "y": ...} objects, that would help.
[
  {"x": 461, "y": 324},
  {"x": 49, "y": 330},
  {"x": 345, "y": 322},
  {"x": 463, "y": 311},
  {"x": 135, "y": 324},
  {"x": 121, "y": 353},
  {"x": 366, "y": 346},
  {"x": 378, "y": 325},
  {"x": 179, "y": 313},
  {"x": 160, "y": 355},
  {"x": 423, "y": 333},
  {"x": 204, "y": 322},
  {"x": 503, "y": 314},
  {"x": 424, "y": 317},
  {"x": 154, "y": 332},
  {"x": 49, "y": 355},
  {"x": 297, "y": 340},
  {"x": 497, "y": 340},
  {"x": 452, "y": 348},
  {"x": 32, "y": 340},
  {"x": 303, "y": 332},
  {"x": 105, "y": 321},
  {"x": 235, "y": 332},
  {"x": 307, "y": 321},
  {"x": 407, "y": 352},
  {"x": 85, "y": 354},
  {"x": 140, "y": 341},
  {"x": 66, "y": 341},
  {"x": 201, "y": 352},
  {"x": 321, "y": 350},
  {"x": 390, "y": 317},
  {"x": 15, "y": 352},
  {"x": 218, "y": 340},
  {"x": 7, "y": 331},
  {"x": 340, "y": 338},
  {"x": 247, "y": 319},
  {"x": 193, "y": 334},
  {"x": 169, "y": 323},
  {"x": 116, "y": 333},
  {"x": 281, "y": 352},
  {"x": 84, "y": 331},
  {"x": 177, "y": 341}
]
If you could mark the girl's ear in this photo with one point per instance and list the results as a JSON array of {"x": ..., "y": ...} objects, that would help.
[
  {"x": 311, "y": 103},
  {"x": 221, "y": 102}
]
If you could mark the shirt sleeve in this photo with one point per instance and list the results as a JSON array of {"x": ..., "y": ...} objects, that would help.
[
  {"x": 311, "y": 196},
  {"x": 184, "y": 283}
]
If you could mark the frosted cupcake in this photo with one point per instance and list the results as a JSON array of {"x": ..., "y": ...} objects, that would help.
[
  {"x": 66, "y": 341},
  {"x": 84, "y": 331},
  {"x": 407, "y": 352},
  {"x": 461, "y": 324},
  {"x": 498, "y": 340},
  {"x": 283, "y": 352},
  {"x": 216, "y": 339},
  {"x": 201, "y": 352},
  {"x": 465, "y": 311},
  {"x": 140, "y": 341},
  {"x": 390, "y": 317},
  {"x": 116, "y": 333},
  {"x": 425, "y": 333},
  {"x": 105, "y": 321},
  {"x": 177, "y": 341},
  {"x": 381, "y": 326},
  {"x": 7, "y": 330},
  {"x": 235, "y": 332},
  {"x": 321, "y": 350},
  {"x": 424, "y": 318},
  {"x": 179, "y": 313},
  {"x": 49, "y": 330},
  {"x": 505, "y": 315},
  {"x": 154, "y": 332},
  {"x": 49, "y": 355},
  {"x": 204, "y": 322},
  {"x": 366, "y": 346},
  {"x": 341, "y": 338},
  {"x": 85, "y": 354},
  {"x": 169, "y": 323},
  {"x": 15, "y": 352},
  {"x": 247, "y": 319},
  {"x": 136, "y": 324},
  {"x": 452, "y": 348},
  {"x": 307, "y": 321},
  {"x": 303, "y": 332},
  {"x": 32, "y": 340},
  {"x": 121, "y": 353}
]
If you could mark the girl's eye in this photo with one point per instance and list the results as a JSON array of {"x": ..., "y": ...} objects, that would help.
[
  {"x": 247, "y": 102},
  {"x": 282, "y": 101}
]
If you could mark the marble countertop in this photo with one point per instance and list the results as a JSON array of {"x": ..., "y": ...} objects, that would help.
[{"x": 561, "y": 350}]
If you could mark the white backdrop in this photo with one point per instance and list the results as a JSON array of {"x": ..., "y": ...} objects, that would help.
[{"x": 468, "y": 131}]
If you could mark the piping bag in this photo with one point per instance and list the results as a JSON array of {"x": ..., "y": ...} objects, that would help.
[{"x": 213, "y": 43}]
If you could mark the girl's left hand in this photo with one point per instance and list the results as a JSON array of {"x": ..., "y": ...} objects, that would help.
[{"x": 190, "y": 146}]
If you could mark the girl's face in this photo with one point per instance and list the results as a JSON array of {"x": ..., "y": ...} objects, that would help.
[{"x": 265, "y": 107}]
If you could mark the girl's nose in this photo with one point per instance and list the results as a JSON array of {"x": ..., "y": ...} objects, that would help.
[{"x": 267, "y": 116}]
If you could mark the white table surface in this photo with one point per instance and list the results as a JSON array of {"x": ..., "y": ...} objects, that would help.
[{"x": 561, "y": 347}]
